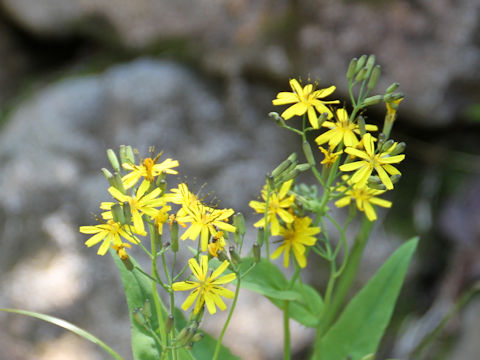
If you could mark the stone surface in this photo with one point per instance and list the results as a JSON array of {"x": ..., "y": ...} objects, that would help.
[{"x": 431, "y": 48}]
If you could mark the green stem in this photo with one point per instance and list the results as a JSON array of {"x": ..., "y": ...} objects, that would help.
[
  {"x": 347, "y": 278},
  {"x": 220, "y": 338},
  {"x": 286, "y": 330},
  {"x": 265, "y": 226}
]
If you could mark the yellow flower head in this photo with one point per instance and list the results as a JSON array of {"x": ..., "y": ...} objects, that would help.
[
  {"x": 217, "y": 245},
  {"x": 120, "y": 249},
  {"x": 148, "y": 169},
  {"x": 141, "y": 203},
  {"x": 110, "y": 233},
  {"x": 305, "y": 100},
  {"x": 392, "y": 108},
  {"x": 161, "y": 217},
  {"x": 207, "y": 289},
  {"x": 278, "y": 204},
  {"x": 330, "y": 156},
  {"x": 296, "y": 236},
  {"x": 372, "y": 160},
  {"x": 364, "y": 197},
  {"x": 342, "y": 130},
  {"x": 204, "y": 222}
]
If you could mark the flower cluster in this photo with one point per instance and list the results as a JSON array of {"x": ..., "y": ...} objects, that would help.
[{"x": 142, "y": 206}]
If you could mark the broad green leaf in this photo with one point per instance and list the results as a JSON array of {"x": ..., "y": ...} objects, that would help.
[
  {"x": 69, "y": 326},
  {"x": 362, "y": 324},
  {"x": 306, "y": 304},
  {"x": 138, "y": 288}
]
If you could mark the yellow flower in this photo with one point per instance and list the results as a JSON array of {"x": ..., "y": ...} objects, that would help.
[
  {"x": 305, "y": 100},
  {"x": 277, "y": 205},
  {"x": 207, "y": 289},
  {"x": 392, "y": 109},
  {"x": 217, "y": 244},
  {"x": 120, "y": 249},
  {"x": 330, "y": 156},
  {"x": 296, "y": 236},
  {"x": 109, "y": 232},
  {"x": 148, "y": 169},
  {"x": 370, "y": 161},
  {"x": 342, "y": 130},
  {"x": 204, "y": 222},
  {"x": 364, "y": 197},
  {"x": 141, "y": 203},
  {"x": 161, "y": 217}
]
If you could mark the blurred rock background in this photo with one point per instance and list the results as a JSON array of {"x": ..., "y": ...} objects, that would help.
[{"x": 196, "y": 79}]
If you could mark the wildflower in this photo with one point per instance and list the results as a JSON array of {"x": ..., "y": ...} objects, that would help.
[
  {"x": 217, "y": 244},
  {"x": 364, "y": 197},
  {"x": 330, "y": 156},
  {"x": 148, "y": 169},
  {"x": 120, "y": 249},
  {"x": 109, "y": 232},
  {"x": 305, "y": 101},
  {"x": 204, "y": 221},
  {"x": 141, "y": 203},
  {"x": 370, "y": 161},
  {"x": 207, "y": 289},
  {"x": 392, "y": 109},
  {"x": 161, "y": 217},
  {"x": 342, "y": 130},
  {"x": 296, "y": 236},
  {"x": 277, "y": 205}
]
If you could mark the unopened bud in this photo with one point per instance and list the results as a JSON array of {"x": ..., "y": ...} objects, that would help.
[
  {"x": 162, "y": 185},
  {"x": 260, "y": 236},
  {"x": 400, "y": 148},
  {"x": 147, "y": 308},
  {"x": 387, "y": 145},
  {"x": 307, "y": 150},
  {"x": 361, "y": 125},
  {"x": 127, "y": 263},
  {"x": 395, "y": 178},
  {"x": 362, "y": 74},
  {"x": 256, "y": 253},
  {"x": 392, "y": 88},
  {"x": 302, "y": 167},
  {"x": 138, "y": 316},
  {"x": 117, "y": 213},
  {"x": 108, "y": 175},
  {"x": 113, "y": 160},
  {"x": 270, "y": 181},
  {"x": 174, "y": 236},
  {"x": 361, "y": 61},
  {"x": 239, "y": 223},
  {"x": 127, "y": 213},
  {"x": 372, "y": 82},
  {"x": 169, "y": 321},
  {"x": 234, "y": 256},
  {"x": 277, "y": 118},
  {"x": 129, "y": 154},
  {"x": 351, "y": 69},
  {"x": 197, "y": 337},
  {"x": 322, "y": 118},
  {"x": 370, "y": 63},
  {"x": 372, "y": 100},
  {"x": 184, "y": 336}
]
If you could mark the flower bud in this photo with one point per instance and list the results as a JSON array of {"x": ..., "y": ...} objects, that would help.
[
  {"x": 370, "y": 63},
  {"x": 302, "y": 167},
  {"x": 222, "y": 256},
  {"x": 138, "y": 316},
  {"x": 372, "y": 100},
  {"x": 197, "y": 337},
  {"x": 372, "y": 82},
  {"x": 351, "y": 69},
  {"x": 387, "y": 145},
  {"x": 234, "y": 256},
  {"x": 362, "y": 74},
  {"x": 395, "y": 178},
  {"x": 256, "y": 253},
  {"x": 239, "y": 223},
  {"x": 282, "y": 167},
  {"x": 277, "y": 118},
  {"x": 361, "y": 61},
  {"x": 260, "y": 236},
  {"x": 127, "y": 213},
  {"x": 162, "y": 185},
  {"x": 113, "y": 160},
  {"x": 361, "y": 125},
  {"x": 147, "y": 308},
  {"x": 392, "y": 88},
  {"x": 127, "y": 263},
  {"x": 117, "y": 213},
  {"x": 400, "y": 148},
  {"x": 108, "y": 175},
  {"x": 169, "y": 321},
  {"x": 322, "y": 118},
  {"x": 174, "y": 236},
  {"x": 184, "y": 335},
  {"x": 307, "y": 150}
]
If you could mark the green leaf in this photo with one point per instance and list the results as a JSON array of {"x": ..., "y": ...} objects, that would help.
[
  {"x": 69, "y": 326},
  {"x": 362, "y": 324},
  {"x": 306, "y": 305},
  {"x": 138, "y": 288}
]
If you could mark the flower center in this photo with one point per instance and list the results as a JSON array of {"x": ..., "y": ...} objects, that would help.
[{"x": 148, "y": 163}]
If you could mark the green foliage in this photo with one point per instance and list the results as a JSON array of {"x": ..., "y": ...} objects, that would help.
[
  {"x": 306, "y": 304},
  {"x": 362, "y": 324}
]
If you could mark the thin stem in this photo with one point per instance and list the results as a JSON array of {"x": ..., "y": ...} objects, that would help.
[
  {"x": 286, "y": 330},
  {"x": 220, "y": 338},
  {"x": 265, "y": 226}
]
